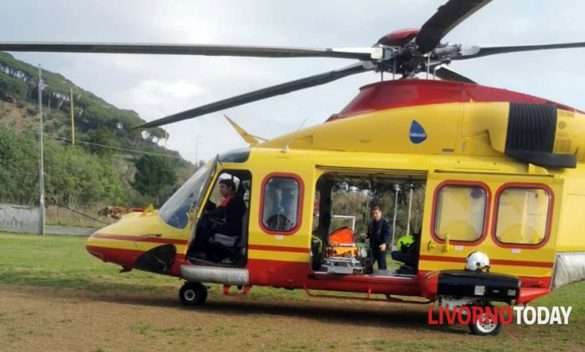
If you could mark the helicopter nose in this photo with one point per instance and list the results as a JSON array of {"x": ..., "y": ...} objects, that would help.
[
  {"x": 105, "y": 248},
  {"x": 127, "y": 240},
  {"x": 93, "y": 248}
]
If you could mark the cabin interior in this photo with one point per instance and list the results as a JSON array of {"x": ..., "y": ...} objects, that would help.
[{"x": 343, "y": 202}]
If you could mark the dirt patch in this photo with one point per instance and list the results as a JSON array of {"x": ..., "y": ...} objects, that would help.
[
  {"x": 46, "y": 319},
  {"x": 13, "y": 115},
  {"x": 36, "y": 319}
]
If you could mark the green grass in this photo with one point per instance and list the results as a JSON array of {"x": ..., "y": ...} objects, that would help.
[{"x": 63, "y": 263}]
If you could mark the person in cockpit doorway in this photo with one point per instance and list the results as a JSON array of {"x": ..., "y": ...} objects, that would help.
[{"x": 220, "y": 228}]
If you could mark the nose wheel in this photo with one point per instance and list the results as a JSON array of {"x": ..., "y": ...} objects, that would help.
[{"x": 193, "y": 294}]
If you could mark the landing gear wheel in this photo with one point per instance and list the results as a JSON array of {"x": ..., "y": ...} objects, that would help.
[
  {"x": 485, "y": 325},
  {"x": 193, "y": 294}
]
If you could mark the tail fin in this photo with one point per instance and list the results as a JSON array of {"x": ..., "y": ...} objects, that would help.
[{"x": 247, "y": 137}]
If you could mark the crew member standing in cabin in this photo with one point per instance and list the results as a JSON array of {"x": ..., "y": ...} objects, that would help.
[{"x": 379, "y": 235}]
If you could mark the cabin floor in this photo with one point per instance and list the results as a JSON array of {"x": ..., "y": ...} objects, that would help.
[{"x": 375, "y": 273}]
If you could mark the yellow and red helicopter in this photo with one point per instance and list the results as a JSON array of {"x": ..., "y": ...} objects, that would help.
[{"x": 480, "y": 169}]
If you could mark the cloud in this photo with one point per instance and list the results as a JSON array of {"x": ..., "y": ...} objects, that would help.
[
  {"x": 159, "y": 85},
  {"x": 153, "y": 98}
]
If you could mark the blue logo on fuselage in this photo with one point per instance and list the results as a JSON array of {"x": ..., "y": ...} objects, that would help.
[{"x": 417, "y": 133}]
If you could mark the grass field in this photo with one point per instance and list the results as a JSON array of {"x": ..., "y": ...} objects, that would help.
[{"x": 54, "y": 297}]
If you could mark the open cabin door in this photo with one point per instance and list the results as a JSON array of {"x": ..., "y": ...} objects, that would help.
[
  {"x": 197, "y": 207},
  {"x": 343, "y": 210},
  {"x": 220, "y": 230},
  {"x": 511, "y": 218}
]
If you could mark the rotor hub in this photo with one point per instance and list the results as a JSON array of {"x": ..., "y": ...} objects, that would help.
[{"x": 399, "y": 38}]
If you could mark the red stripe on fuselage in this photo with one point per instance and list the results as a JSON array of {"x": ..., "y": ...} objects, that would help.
[
  {"x": 127, "y": 257},
  {"x": 436, "y": 258},
  {"x": 139, "y": 238},
  {"x": 299, "y": 275},
  {"x": 261, "y": 247},
  {"x": 124, "y": 257}
]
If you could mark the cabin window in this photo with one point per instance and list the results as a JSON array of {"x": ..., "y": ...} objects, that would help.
[
  {"x": 460, "y": 212},
  {"x": 281, "y": 204},
  {"x": 522, "y": 215}
]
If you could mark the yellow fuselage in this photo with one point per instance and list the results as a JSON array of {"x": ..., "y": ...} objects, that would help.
[{"x": 464, "y": 144}]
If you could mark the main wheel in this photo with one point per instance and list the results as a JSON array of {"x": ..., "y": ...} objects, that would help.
[
  {"x": 193, "y": 294},
  {"x": 485, "y": 325}
]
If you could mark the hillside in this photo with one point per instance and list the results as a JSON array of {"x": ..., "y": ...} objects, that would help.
[
  {"x": 18, "y": 86},
  {"x": 100, "y": 168}
]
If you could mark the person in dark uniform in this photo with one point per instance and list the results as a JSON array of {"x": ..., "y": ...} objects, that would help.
[
  {"x": 379, "y": 235},
  {"x": 225, "y": 219},
  {"x": 232, "y": 209}
]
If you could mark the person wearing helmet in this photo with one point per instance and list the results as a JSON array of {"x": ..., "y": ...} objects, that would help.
[
  {"x": 378, "y": 234},
  {"x": 225, "y": 220}
]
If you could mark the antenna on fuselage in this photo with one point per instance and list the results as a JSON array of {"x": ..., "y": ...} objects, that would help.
[{"x": 285, "y": 149}]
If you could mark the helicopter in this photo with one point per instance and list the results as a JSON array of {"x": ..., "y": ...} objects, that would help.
[{"x": 477, "y": 170}]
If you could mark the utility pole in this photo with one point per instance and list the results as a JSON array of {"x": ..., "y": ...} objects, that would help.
[
  {"x": 42, "y": 156},
  {"x": 72, "y": 116}
]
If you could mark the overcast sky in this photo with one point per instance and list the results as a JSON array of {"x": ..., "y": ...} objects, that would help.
[{"x": 155, "y": 86}]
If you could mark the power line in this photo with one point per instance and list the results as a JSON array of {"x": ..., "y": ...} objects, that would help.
[{"x": 138, "y": 151}]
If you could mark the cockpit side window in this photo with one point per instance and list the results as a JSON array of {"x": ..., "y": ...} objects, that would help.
[{"x": 175, "y": 210}]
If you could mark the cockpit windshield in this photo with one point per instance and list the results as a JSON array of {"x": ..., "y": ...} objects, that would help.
[{"x": 175, "y": 210}]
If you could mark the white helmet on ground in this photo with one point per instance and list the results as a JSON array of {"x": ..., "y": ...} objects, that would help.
[{"x": 477, "y": 261}]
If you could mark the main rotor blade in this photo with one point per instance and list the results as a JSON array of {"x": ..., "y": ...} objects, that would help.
[
  {"x": 260, "y": 94},
  {"x": 184, "y": 49},
  {"x": 444, "y": 20},
  {"x": 450, "y": 75},
  {"x": 475, "y": 52}
]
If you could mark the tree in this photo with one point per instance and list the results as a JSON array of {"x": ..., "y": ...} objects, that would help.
[
  {"x": 155, "y": 177},
  {"x": 103, "y": 141},
  {"x": 72, "y": 176},
  {"x": 19, "y": 156},
  {"x": 75, "y": 177}
]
